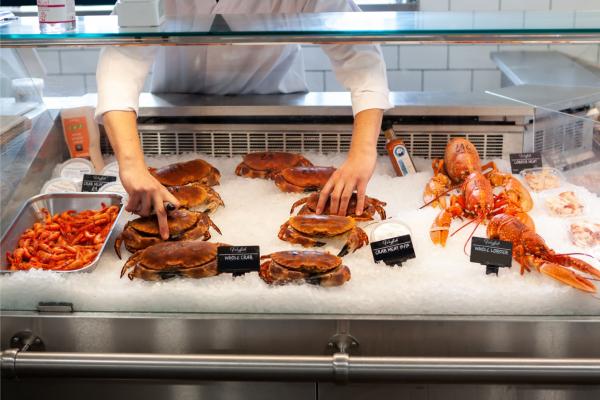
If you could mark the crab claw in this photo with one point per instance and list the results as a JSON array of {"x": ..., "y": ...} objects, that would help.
[
  {"x": 357, "y": 239},
  {"x": 118, "y": 243},
  {"x": 567, "y": 277}
]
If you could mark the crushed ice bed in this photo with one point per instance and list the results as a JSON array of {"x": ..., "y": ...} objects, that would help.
[{"x": 439, "y": 281}]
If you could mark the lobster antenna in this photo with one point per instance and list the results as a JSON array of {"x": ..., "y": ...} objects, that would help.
[
  {"x": 471, "y": 236},
  {"x": 456, "y": 231},
  {"x": 577, "y": 254},
  {"x": 440, "y": 195}
]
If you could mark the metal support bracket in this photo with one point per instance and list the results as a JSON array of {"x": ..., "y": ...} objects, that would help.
[
  {"x": 27, "y": 341},
  {"x": 343, "y": 343}
]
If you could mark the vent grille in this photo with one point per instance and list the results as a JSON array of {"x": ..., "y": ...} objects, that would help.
[
  {"x": 561, "y": 133},
  {"x": 230, "y": 143}
]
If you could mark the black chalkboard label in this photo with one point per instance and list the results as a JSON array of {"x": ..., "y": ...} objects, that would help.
[
  {"x": 92, "y": 183},
  {"x": 238, "y": 259},
  {"x": 521, "y": 161},
  {"x": 492, "y": 253},
  {"x": 393, "y": 251}
]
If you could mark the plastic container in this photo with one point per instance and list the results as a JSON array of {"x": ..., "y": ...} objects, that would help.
[
  {"x": 60, "y": 185},
  {"x": 115, "y": 187},
  {"x": 564, "y": 203},
  {"x": 56, "y": 16},
  {"x": 584, "y": 232},
  {"x": 75, "y": 168},
  {"x": 388, "y": 229},
  {"x": 111, "y": 169},
  {"x": 56, "y": 203},
  {"x": 543, "y": 178},
  {"x": 28, "y": 90}
]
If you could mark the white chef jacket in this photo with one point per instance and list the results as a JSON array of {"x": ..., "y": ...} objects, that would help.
[{"x": 223, "y": 70}]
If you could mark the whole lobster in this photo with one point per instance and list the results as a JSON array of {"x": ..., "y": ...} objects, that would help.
[
  {"x": 530, "y": 250},
  {"x": 476, "y": 199}
]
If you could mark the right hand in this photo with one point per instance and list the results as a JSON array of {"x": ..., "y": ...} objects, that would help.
[{"x": 146, "y": 194}]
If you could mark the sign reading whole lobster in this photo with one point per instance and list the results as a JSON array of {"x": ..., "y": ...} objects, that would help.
[{"x": 461, "y": 171}]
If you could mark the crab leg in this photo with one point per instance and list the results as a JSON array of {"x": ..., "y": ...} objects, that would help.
[
  {"x": 356, "y": 239},
  {"x": 299, "y": 203},
  {"x": 291, "y": 235},
  {"x": 130, "y": 263}
]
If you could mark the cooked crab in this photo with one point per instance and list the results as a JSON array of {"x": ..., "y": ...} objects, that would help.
[
  {"x": 372, "y": 206},
  {"x": 183, "y": 225},
  {"x": 193, "y": 259},
  {"x": 183, "y": 173},
  {"x": 304, "y": 266},
  {"x": 306, "y": 229},
  {"x": 197, "y": 197},
  {"x": 303, "y": 179},
  {"x": 266, "y": 164}
]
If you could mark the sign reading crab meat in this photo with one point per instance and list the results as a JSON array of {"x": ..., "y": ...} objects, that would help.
[
  {"x": 314, "y": 267},
  {"x": 307, "y": 229},
  {"x": 184, "y": 173},
  {"x": 393, "y": 251},
  {"x": 266, "y": 164}
]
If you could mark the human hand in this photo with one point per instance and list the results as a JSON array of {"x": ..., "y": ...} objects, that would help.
[
  {"x": 145, "y": 194},
  {"x": 353, "y": 175}
]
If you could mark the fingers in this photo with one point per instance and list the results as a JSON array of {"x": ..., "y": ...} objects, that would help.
[
  {"x": 161, "y": 214},
  {"x": 336, "y": 196},
  {"x": 134, "y": 203},
  {"x": 361, "y": 191},
  {"x": 324, "y": 196},
  {"x": 145, "y": 205},
  {"x": 168, "y": 197},
  {"x": 345, "y": 199}
]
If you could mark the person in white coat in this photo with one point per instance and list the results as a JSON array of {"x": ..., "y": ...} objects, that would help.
[{"x": 224, "y": 70}]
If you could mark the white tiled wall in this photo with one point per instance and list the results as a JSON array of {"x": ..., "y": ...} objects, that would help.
[{"x": 414, "y": 68}]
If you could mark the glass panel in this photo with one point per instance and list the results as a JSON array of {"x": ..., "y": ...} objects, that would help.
[{"x": 390, "y": 26}]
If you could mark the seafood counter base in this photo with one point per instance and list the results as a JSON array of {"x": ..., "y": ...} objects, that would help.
[{"x": 440, "y": 281}]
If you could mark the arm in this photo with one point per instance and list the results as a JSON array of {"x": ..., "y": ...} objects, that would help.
[
  {"x": 362, "y": 70},
  {"x": 121, "y": 74},
  {"x": 358, "y": 168},
  {"x": 145, "y": 192}
]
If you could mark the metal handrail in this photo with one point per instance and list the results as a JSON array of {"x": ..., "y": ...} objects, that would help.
[{"x": 339, "y": 367}]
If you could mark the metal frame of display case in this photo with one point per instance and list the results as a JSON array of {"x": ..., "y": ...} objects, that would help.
[{"x": 552, "y": 351}]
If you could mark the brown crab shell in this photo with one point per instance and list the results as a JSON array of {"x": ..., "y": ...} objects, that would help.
[
  {"x": 194, "y": 195},
  {"x": 183, "y": 173},
  {"x": 306, "y": 260},
  {"x": 303, "y": 179},
  {"x": 322, "y": 225},
  {"x": 265, "y": 164},
  {"x": 178, "y": 255},
  {"x": 179, "y": 221},
  {"x": 370, "y": 209}
]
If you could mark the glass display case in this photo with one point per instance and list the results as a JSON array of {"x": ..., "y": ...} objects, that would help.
[{"x": 434, "y": 320}]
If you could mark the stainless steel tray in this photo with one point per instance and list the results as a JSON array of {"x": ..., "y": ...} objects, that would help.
[{"x": 31, "y": 213}]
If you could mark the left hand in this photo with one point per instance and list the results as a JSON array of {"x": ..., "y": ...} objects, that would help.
[{"x": 353, "y": 175}]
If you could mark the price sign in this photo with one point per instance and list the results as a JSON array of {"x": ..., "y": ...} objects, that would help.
[
  {"x": 393, "y": 251},
  {"x": 492, "y": 253},
  {"x": 521, "y": 161},
  {"x": 91, "y": 183},
  {"x": 238, "y": 260}
]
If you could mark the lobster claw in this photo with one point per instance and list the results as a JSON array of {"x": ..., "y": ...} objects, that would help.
[{"x": 567, "y": 277}]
